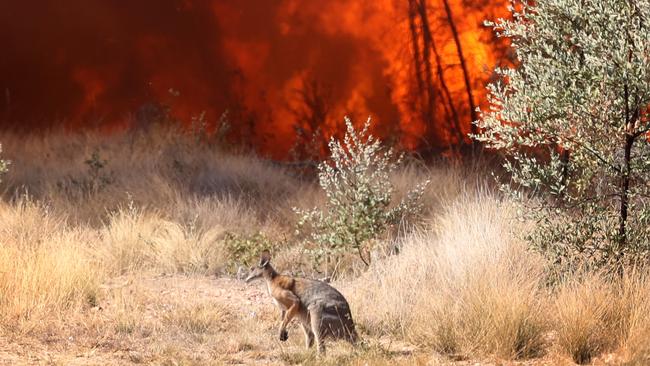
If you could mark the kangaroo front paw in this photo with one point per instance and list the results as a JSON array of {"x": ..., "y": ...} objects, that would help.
[{"x": 284, "y": 335}]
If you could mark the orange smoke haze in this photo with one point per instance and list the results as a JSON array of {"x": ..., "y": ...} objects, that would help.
[{"x": 280, "y": 67}]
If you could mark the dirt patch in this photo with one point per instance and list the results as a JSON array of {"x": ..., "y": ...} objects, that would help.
[{"x": 187, "y": 320}]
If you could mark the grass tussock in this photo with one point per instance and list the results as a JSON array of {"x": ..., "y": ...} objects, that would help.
[
  {"x": 468, "y": 287},
  {"x": 45, "y": 266},
  {"x": 134, "y": 240},
  {"x": 596, "y": 313},
  {"x": 465, "y": 287},
  {"x": 198, "y": 318},
  {"x": 80, "y": 209}
]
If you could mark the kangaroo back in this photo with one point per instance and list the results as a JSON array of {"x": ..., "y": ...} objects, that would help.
[{"x": 335, "y": 316}]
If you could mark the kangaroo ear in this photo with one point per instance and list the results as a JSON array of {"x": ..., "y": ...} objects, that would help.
[{"x": 265, "y": 258}]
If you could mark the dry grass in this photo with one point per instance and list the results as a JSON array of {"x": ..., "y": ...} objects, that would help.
[
  {"x": 160, "y": 171},
  {"x": 45, "y": 266},
  {"x": 135, "y": 240},
  {"x": 116, "y": 265},
  {"x": 597, "y": 314},
  {"x": 460, "y": 288}
]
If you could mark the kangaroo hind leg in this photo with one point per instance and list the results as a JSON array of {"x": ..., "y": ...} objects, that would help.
[
  {"x": 315, "y": 315},
  {"x": 309, "y": 336}
]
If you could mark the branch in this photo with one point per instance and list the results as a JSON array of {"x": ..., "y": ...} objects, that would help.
[
  {"x": 367, "y": 263},
  {"x": 594, "y": 153}
]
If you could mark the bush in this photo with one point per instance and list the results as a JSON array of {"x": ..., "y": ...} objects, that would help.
[
  {"x": 356, "y": 181},
  {"x": 244, "y": 250},
  {"x": 573, "y": 119}
]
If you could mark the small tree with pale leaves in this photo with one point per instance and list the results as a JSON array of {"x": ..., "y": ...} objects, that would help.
[
  {"x": 572, "y": 117},
  {"x": 356, "y": 181}
]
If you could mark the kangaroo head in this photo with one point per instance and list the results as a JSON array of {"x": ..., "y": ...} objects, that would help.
[{"x": 263, "y": 267}]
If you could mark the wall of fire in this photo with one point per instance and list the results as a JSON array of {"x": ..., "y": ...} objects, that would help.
[{"x": 285, "y": 70}]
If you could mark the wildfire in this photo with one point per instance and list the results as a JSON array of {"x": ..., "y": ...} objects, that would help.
[{"x": 287, "y": 70}]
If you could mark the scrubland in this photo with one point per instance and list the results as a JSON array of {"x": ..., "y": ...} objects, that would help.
[{"x": 128, "y": 249}]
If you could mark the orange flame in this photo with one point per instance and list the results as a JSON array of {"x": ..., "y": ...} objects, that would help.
[{"x": 278, "y": 66}]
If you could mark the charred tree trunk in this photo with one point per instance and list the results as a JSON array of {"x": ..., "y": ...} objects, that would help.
[
  {"x": 428, "y": 48},
  {"x": 564, "y": 159},
  {"x": 461, "y": 57},
  {"x": 428, "y": 73},
  {"x": 454, "y": 121},
  {"x": 630, "y": 136},
  {"x": 415, "y": 43},
  {"x": 625, "y": 191}
]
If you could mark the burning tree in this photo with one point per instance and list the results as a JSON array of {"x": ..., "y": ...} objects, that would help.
[
  {"x": 423, "y": 47},
  {"x": 311, "y": 118},
  {"x": 573, "y": 119},
  {"x": 442, "y": 93}
]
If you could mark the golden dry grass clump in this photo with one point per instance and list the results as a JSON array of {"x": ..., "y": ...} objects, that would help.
[
  {"x": 595, "y": 314},
  {"x": 463, "y": 287},
  {"x": 45, "y": 265}
]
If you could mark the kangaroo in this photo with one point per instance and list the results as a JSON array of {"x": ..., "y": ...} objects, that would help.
[{"x": 320, "y": 308}]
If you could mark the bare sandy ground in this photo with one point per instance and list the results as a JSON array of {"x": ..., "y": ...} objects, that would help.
[
  {"x": 193, "y": 320},
  {"x": 176, "y": 320}
]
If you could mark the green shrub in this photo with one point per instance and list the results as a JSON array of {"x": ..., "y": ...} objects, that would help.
[
  {"x": 356, "y": 181},
  {"x": 244, "y": 250},
  {"x": 572, "y": 118}
]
